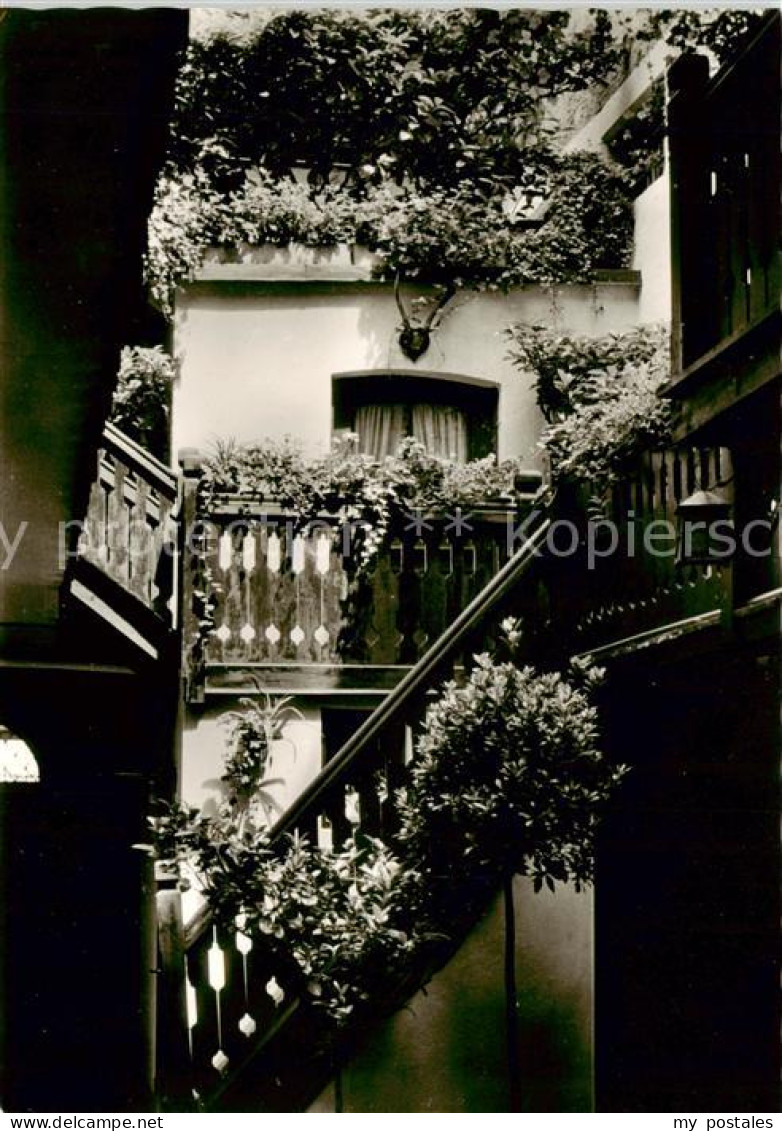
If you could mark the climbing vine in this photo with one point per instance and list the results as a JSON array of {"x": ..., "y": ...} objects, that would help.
[{"x": 422, "y": 135}]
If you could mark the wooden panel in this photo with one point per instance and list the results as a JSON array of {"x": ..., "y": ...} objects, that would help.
[{"x": 285, "y": 597}]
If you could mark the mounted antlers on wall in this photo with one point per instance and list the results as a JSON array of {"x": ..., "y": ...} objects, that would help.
[{"x": 414, "y": 340}]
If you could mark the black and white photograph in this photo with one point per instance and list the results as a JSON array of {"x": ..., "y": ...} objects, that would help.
[{"x": 390, "y": 585}]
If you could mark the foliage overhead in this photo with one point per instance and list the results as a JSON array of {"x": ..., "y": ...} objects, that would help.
[
  {"x": 428, "y": 135},
  {"x": 438, "y": 236},
  {"x": 433, "y": 98},
  {"x": 374, "y": 496}
]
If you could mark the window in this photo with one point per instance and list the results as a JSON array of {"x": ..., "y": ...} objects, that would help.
[{"x": 454, "y": 419}]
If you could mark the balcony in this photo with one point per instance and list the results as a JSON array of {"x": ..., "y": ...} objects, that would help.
[
  {"x": 264, "y": 597},
  {"x": 725, "y": 225}
]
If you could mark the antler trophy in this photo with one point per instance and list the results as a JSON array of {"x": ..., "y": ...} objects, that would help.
[{"x": 414, "y": 340}]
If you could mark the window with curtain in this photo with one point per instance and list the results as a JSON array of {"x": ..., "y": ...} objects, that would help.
[
  {"x": 442, "y": 429},
  {"x": 452, "y": 419}
]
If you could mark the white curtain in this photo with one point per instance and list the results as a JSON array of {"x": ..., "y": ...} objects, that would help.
[
  {"x": 442, "y": 430},
  {"x": 380, "y": 428}
]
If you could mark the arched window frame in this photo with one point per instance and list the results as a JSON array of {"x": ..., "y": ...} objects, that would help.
[{"x": 476, "y": 396}]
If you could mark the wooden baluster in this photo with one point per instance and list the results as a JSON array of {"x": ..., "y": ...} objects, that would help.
[
  {"x": 142, "y": 566},
  {"x": 203, "y": 1033},
  {"x": 266, "y": 587},
  {"x": 380, "y": 633},
  {"x": 285, "y": 604},
  {"x": 434, "y": 587},
  {"x": 165, "y": 560},
  {"x": 91, "y": 540},
  {"x": 232, "y": 998},
  {"x": 396, "y": 746},
  {"x": 334, "y": 593},
  {"x": 409, "y": 600},
  {"x": 248, "y": 631},
  {"x": 333, "y": 809}
]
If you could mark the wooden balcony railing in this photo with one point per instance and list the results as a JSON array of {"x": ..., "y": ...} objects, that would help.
[
  {"x": 130, "y": 532},
  {"x": 597, "y": 596},
  {"x": 280, "y": 598}
]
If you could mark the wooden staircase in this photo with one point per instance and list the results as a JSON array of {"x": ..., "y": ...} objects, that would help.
[
  {"x": 222, "y": 1042},
  {"x": 123, "y": 559}
]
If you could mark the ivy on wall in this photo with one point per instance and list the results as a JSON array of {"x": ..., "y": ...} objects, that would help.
[
  {"x": 429, "y": 136},
  {"x": 405, "y": 131}
]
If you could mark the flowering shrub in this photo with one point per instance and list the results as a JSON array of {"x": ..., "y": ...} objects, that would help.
[{"x": 140, "y": 406}]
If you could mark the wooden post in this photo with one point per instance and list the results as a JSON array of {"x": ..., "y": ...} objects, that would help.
[
  {"x": 173, "y": 1077},
  {"x": 687, "y": 79},
  {"x": 511, "y": 998},
  {"x": 191, "y": 463}
]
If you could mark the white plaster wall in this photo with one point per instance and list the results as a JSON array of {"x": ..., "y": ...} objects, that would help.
[
  {"x": 652, "y": 252},
  {"x": 445, "y": 1051},
  {"x": 295, "y": 759},
  {"x": 256, "y": 358}
]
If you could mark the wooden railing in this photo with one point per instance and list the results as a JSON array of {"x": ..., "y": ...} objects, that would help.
[
  {"x": 225, "y": 1008},
  {"x": 129, "y": 532},
  {"x": 598, "y": 596},
  {"x": 277, "y": 596},
  {"x": 225, "y": 1015},
  {"x": 725, "y": 162}
]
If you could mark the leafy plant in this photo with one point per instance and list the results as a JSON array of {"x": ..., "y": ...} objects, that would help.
[
  {"x": 251, "y": 733},
  {"x": 563, "y": 364},
  {"x": 507, "y": 777},
  {"x": 432, "y": 98},
  {"x": 616, "y": 415},
  {"x": 600, "y": 396},
  {"x": 140, "y": 406},
  {"x": 373, "y": 497}
]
